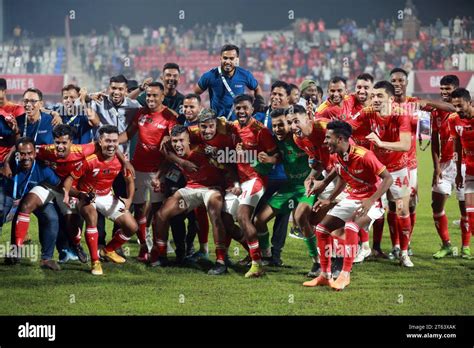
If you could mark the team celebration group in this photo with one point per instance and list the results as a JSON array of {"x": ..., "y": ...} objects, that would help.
[{"x": 151, "y": 159}]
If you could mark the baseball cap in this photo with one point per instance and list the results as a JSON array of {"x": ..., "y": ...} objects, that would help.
[{"x": 305, "y": 84}]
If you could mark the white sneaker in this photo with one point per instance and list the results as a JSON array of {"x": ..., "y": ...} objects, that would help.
[
  {"x": 169, "y": 248},
  {"x": 362, "y": 254},
  {"x": 405, "y": 261}
]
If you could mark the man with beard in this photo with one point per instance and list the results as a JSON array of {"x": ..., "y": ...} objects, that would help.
[
  {"x": 173, "y": 98},
  {"x": 94, "y": 192},
  {"x": 255, "y": 138},
  {"x": 295, "y": 94},
  {"x": 444, "y": 175},
  {"x": 202, "y": 188},
  {"x": 28, "y": 173},
  {"x": 152, "y": 124},
  {"x": 337, "y": 93},
  {"x": 75, "y": 112},
  {"x": 118, "y": 110},
  {"x": 461, "y": 126},
  {"x": 310, "y": 98},
  {"x": 228, "y": 81}
]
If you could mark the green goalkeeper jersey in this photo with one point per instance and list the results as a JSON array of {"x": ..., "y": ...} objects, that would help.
[{"x": 295, "y": 161}]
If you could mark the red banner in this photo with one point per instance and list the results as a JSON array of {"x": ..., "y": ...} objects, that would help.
[
  {"x": 427, "y": 82},
  {"x": 48, "y": 84}
]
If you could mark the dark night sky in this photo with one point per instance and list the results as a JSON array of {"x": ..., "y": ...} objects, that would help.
[{"x": 46, "y": 17}]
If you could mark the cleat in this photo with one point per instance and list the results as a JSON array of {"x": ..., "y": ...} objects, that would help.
[
  {"x": 143, "y": 254},
  {"x": 161, "y": 261},
  {"x": 405, "y": 261},
  {"x": 81, "y": 254},
  {"x": 466, "y": 253},
  {"x": 256, "y": 270},
  {"x": 341, "y": 282},
  {"x": 246, "y": 261},
  {"x": 96, "y": 268},
  {"x": 228, "y": 261},
  {"x": 378, "y": 254},
  {"x": 394, "y": 254},
  {"x": 457, "y": 223},
  {"x": 198, "y": 256},
  {"x": 218, "y": 269},
  {"x": 318, "y": 281},
  {"x": 443, "y": 252},
  {"x": 336, "y": 266},
  {"x": 362, "y": 254},
  {"x": 50, "y": 264},
  {"x": 276, "y": 262},
  {"x": 67, "y": 255},
  {"x": 266, "y": 260},
  {"x": 315, "y": 270},
  {"x": 111, "y": 256},
  {"x": 410, "y": 251},
  {"x": 295, "y": 232}
]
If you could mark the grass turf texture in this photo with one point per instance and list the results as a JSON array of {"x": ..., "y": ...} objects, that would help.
[{"x": 432, "y": 287}]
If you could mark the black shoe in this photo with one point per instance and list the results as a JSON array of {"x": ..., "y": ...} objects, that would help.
[
  {"x": 160, "y": 262},
  {"x": 11, "y": 260},
  {"x": 336, "y": 266},
  {"x": 190, "y": 251},
  {"x": 50, "y": 264},
  {"x": 228, "y": 261},
  {"x": 315, "y": 270},
  {"x": 276, "y": 262},
  {"x": 218, "y": 269},
  {"x": 266, "y": 260},
  {"x": 81, "y": 254}
]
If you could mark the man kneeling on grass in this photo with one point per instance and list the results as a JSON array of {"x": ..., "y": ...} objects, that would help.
[
  {"x": 202, "y": 188},
  {"x": 28, "y": 173},
  {"x": 94, "y": 190}
]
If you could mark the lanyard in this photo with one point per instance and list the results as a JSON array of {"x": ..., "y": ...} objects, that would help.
[
  {"x": 267, "y": 118},
  {"x": 37, "y": 128},
  {"x": 232, "y": 94},
  {"x": 15, "y": 183}
]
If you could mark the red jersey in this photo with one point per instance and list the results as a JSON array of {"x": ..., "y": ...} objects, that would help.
[
  {"x": 9, "y": 109},
  {"x": 314, "y": 146},
  {"x": 226, "y": 135},
  {"x": 463, "y": 128},
  {"x": 152, "y": 128},
  {"x": 358, "y": 134},
  {"x": 440, "y": 124},
  {"x": 255, "y": 139},
  {"x": 64, "y": 166},
  {"x": 360, "y": 170},
  {"x": 388, "y": 128},
  {"x": 208, "y": 175},
  {"x": 97, "y": 175}
]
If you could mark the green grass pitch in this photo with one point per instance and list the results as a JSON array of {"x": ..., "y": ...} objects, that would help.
[{"x": 432, "y": 287}]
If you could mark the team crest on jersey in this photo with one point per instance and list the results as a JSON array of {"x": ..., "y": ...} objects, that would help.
[{"x": 459, "y": 130}]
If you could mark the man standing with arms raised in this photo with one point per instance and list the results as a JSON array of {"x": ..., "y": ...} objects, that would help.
[{"x": 228, "y": 81}]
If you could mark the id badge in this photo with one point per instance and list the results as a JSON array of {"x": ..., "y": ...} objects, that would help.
[
  {"x": 173, "y": 174},
  {"x": 12, "y": 211}
]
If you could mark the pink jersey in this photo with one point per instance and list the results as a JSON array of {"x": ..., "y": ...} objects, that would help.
[
  {"x": 152, "y": 128},
  {"x": 360, "y": 170}
]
